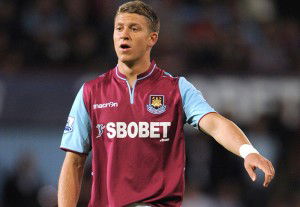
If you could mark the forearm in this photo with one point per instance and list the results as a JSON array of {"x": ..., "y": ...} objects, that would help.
[
  {"x": 225, "y": 132},
  {"x": 70, "y": 183},
  {"x": 232, "y": 138}
]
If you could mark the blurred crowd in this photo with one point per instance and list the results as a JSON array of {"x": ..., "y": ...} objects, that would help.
[
  {"x": 197, "y": 36},
  {"x": 224, "y": 36}
]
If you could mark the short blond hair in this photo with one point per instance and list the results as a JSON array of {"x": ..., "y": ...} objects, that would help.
[{"x": 141, "y": 8}]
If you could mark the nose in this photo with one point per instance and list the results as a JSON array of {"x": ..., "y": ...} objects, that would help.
[{"x": 125, "y": 34}]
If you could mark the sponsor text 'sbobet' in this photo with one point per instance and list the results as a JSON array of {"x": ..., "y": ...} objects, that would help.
[{"x": 140, "y": 129}]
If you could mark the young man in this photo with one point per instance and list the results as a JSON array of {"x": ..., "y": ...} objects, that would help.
[{"x": 132, "y": 119}]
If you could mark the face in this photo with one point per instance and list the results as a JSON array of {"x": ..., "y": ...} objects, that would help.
[{"x": 133, "y": 39}]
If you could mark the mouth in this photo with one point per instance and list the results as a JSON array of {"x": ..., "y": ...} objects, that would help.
[{"x": 124, "y": 47}]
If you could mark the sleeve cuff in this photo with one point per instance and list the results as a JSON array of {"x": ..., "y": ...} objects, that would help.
[{"x": 74, "y": 151}]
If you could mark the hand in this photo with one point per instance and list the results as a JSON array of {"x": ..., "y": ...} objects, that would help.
[{"x": 253, "y": 160}]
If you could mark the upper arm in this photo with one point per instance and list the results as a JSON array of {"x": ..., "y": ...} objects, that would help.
[
  {"x": 76, "y": 136},
  {"x": 211, "y": 122},
  {"x": 75, "y": 159},
  {"x": 195, "y": 106}
]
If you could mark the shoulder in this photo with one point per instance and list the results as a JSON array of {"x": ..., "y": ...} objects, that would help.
[
  {"x": 100, "y": 80},
  {"x": 185, "y": 85},
  {"x": 167, "y": 77},
  {"x": 183, "y": 82}
]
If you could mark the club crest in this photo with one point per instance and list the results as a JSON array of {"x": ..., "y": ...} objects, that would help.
[{"x": 156, "y": 104}]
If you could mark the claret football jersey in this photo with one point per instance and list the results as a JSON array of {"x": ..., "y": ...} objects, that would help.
[{"x": 135, "y": 135}]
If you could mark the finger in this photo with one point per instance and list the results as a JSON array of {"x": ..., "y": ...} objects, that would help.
[
  {"x": 268, "y": 174},
  {"x": 272, "y": 170},
  {"x": 268, "y": 178},
  {"x": 251, "y": 172}
]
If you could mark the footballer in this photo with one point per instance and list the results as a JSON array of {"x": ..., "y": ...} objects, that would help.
[{"x": 131, "y": 119}]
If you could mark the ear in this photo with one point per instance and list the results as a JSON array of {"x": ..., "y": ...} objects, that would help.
[{"x": 153, "y": 37}]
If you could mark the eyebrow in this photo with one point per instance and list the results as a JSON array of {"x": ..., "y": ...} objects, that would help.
[{"x": 130, "y": 24}]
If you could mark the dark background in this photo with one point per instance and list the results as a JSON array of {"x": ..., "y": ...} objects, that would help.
[{"x": 242, "y": 54}]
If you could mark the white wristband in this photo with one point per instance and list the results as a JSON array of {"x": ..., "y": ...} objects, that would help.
[{"x": 247, "y": 149}]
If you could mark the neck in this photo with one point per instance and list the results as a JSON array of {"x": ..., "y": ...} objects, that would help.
[{"x": 131, "y": 70}]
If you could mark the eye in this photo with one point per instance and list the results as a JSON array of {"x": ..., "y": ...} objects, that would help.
[
  {"x": 118, "y": 28},
  {"x": 134, "y": 29}
]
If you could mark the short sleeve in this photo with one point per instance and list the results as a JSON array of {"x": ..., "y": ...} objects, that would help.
[
  {"x": 76, "y": 136},
  {"x": 194, "y": 104}
]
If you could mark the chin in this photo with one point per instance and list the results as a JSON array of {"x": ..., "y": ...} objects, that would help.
[{"x": 126, "y": 59}]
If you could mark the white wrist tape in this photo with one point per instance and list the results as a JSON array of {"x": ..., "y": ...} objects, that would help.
[{"x": 247, "y": 149}]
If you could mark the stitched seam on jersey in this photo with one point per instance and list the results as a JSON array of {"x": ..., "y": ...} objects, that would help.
[
  {"x": 88, "y": 139},
  {"x": 184, "y": 117},
  {"x": 148, "y": 73},
  {"x": 131, "y": 92},
  {"x": 168, "y": 74},
  {"x": 118, "y": 74},
  {"x": 138, "y": 78}
]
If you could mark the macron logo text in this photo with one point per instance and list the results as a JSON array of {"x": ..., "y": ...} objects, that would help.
[{"x": 105, "y": 105}]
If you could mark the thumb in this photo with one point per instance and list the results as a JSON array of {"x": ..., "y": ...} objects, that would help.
[{"x": 251, "y": 172}]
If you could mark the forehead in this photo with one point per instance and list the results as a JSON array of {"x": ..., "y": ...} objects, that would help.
[{"x": 130, "y": 18}]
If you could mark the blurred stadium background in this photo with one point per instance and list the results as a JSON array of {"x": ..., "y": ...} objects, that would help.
[{"x": 242, "y": 54}]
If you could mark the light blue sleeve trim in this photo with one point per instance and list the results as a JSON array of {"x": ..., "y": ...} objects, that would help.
[
  {"x": 76, "y": 135},
  {"x": 194, "y": 104},
  {"x": 167, "y": 73}
]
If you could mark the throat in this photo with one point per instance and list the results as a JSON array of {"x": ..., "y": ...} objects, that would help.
[
  {"x": 132, "y": 70},
  {"x": 131, "y": 81}
]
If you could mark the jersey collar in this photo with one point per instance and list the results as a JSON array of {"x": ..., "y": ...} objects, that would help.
[{"x": 141, "y": 76}]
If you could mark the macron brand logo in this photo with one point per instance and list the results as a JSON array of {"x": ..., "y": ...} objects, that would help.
[{"x": 105, "y": 105}]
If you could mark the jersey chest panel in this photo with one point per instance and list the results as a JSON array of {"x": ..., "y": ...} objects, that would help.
[{"x": 155, "y": 109}]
